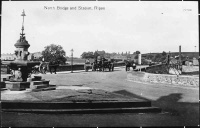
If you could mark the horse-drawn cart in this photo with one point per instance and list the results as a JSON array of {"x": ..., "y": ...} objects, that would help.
[
  {"x": 130, "y": 63},
  {"x": 101, "y": 64},
  {"x": 87, "y": 65}
]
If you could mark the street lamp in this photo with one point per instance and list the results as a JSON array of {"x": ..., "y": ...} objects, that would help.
[
  {"x": 194, "y": 48},
  {"x": 72, "y": 60}
]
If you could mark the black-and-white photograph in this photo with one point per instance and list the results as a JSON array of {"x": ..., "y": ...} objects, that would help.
[{"x": 99, "y": 63}]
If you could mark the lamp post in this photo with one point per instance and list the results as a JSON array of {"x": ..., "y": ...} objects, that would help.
[{"x": 72, "y": 60}]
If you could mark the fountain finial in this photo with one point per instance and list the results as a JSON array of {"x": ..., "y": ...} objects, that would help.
[
  {"x": 23, "y": 14},
  {"x": 22, "y": 41}
]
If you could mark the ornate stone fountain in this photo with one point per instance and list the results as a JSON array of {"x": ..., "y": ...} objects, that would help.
[{"x": 20, "y": 77}]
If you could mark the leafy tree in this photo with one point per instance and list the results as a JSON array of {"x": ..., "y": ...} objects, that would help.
[
  {"x": 87, "y": 55},
  {"x": 163, "y": 57},
  {"x": 54, "y": 52},
  {"x": 107, "y": 55},
  {"x": 144, "y": 61},
  {"x": 136, "y": 57},
  {"x": 149, "y": 56},
  {"x": 114, "y": 53},
  {"x": 137, "y": 52},
  {"x": 96, "y": 54},
  {"x": 157, "y": 57},
  {"x": 164, "y": 53}
]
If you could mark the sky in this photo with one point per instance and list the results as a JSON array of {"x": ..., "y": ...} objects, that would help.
[{"x": 120, "y": 26}]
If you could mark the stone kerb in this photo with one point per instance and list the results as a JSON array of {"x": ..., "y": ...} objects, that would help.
[{"x": 165, "y": 79}]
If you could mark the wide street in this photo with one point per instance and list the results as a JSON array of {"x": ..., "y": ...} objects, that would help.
[{"x": 180, "y": 105}]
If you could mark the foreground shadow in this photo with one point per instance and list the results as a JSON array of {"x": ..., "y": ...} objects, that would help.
[
  {"x": 187, "y": 113},
  {"x": 171, "y": 103}
]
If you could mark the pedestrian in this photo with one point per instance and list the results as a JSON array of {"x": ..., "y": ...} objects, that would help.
[
  {"x": 55, "y": 66},
  {"x": 40, "y": 67},
  {"x": 44, "y": 68},
  {"x": 50, "y": 66}
]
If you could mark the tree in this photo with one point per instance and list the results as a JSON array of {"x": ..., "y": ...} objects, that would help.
[
  {"x": 96, "y": 54},
  {"x": 87, "y": 55},
  {"x": 136, "y": 57},
  {"x": 157, "y": 57},
  {"x": 107, "y": 55},
  {"x": 164, "y": 53},
  {"x": 163, "y": 57},
  {"x": 114, "y": 53},
  {"x": 137, "y": 52},
  {"x": 149, "y": 56},
  {"x": 54, "y": 52}
]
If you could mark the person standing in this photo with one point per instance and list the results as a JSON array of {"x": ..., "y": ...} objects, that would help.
[
  {"x": 50, "y": 66},
  {"x": 56, "y": 64},
  {"x": 40, "y": 67}
]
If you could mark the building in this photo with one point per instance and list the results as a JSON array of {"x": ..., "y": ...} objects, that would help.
[
  {"x": 34, "y": 56},
  {"x": 118, "y": 57},
  {"x": 8, "y": 56}
]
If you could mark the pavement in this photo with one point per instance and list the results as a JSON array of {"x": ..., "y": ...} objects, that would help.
[
  {"x": 74, "y": 99},
  {"x": 69, "y": 94},
  {"x": 180, "y": 106}
]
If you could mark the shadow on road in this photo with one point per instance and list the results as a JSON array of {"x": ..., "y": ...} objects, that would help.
[
  {"x": 172, "y": 104},
  {"x": 186, "y": 113}
]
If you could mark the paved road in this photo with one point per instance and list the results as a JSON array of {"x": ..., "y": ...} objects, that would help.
[
  {"x": 180, "y": 105},
  {"x": 117, "y": 82}
]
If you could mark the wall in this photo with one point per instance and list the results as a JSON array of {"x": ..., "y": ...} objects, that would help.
[
  {"x": 157, "y": 69},
  {"x": 164, "y": 79},
  {"x": 81, "y": 67},
  {"x": 68, "y": 67}
]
